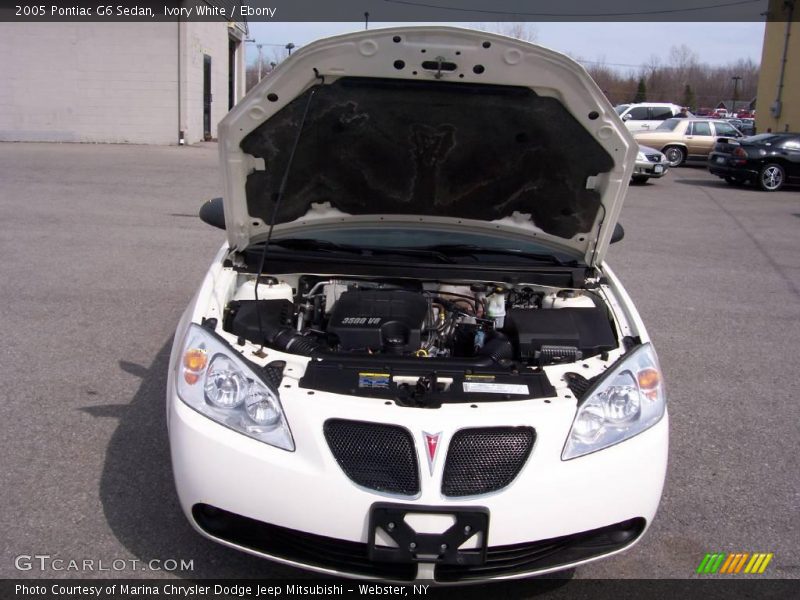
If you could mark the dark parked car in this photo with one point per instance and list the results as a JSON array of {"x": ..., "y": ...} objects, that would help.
[
  {"x": 746, "y": 126},
  {"x": 770, "y": 160}
]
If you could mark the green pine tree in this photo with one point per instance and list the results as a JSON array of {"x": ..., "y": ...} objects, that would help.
[
  {"x": 641, "y": 92},
  {"x": 688, "y": 97}
]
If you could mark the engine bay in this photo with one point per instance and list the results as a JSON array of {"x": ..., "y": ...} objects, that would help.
[{"x": 483, "y": 322}]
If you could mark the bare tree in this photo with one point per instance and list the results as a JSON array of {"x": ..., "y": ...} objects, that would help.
[
  {"x": 607, "y": 80},
  {"x": 682, "y": 80},
  {"x": 682, "y": 58},
  {"x": 519, "y": 30},
  {"x": 278, "y": 55}
]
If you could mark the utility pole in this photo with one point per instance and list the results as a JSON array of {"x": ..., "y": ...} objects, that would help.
[
  {"x": 259, "y": 60},
  {"x": 736, "y": 79}
]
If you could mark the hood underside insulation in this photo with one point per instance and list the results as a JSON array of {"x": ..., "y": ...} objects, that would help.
[{"x": 467, "y": 151}]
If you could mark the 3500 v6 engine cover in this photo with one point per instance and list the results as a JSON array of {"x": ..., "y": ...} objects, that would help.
[{"x": 388, "y": 320}]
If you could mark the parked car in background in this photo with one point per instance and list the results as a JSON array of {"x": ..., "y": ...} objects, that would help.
[
  {"x": 646, "y": 116},
  {"x": 649, "y": 163},
  {"x": 770, "y": 160},
  {"x": 680, "y": 139},
  {"x": 746, "y": 126}
]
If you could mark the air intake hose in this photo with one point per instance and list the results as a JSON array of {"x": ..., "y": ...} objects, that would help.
[
  {"x": 287, "y": 339},
  {"x": 497, "y": 347}
]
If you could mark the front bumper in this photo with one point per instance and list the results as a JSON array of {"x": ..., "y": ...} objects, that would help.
[
  {"x": 300, "y": 508},
  {"x": 353, "y": 558},
  {"x": 650, "y": 169}
]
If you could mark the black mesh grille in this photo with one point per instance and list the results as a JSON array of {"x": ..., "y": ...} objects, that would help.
[
  {"x": 485, "y": 459},
  {"x": 376, "y": 456}
]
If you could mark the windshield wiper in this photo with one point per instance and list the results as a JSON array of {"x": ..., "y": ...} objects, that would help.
[
  {"x": 473, "y": 250},
  {"x": 326, "y": 246}
]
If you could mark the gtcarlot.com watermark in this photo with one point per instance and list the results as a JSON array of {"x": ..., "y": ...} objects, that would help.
[{"x": 49, "y": 563}]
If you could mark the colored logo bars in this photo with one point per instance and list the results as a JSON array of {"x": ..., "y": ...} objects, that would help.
[{"x": 720, "y": 562}]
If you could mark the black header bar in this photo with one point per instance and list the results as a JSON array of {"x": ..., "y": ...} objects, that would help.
[{"x": 445, "y": 11}]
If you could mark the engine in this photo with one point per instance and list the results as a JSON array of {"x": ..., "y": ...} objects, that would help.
[
  {"x": 371, "y": 317},
  {"x": 391, "y": 321}
]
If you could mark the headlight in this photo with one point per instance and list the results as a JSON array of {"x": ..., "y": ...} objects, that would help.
[
  {"x": 627, "y": 400},
  {"x": 217, "y": 382},
  {"x": 641, "y": 156}
]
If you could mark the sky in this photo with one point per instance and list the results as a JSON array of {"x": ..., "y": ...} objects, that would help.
[{"x": 622, "y": 45}]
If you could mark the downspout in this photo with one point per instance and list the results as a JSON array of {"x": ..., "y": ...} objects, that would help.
[
  {"x": 775, "y": 109},
  {"x": 181, "y": 137}
]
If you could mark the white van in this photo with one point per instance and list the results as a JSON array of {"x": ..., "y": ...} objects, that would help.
[{"x": 647, "y": 115}]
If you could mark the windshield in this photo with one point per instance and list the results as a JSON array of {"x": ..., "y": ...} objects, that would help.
[
  {"x": 377, "y": 237},
  {"x": 621, "y": 108},
  {"x": 668, "y": 125}
]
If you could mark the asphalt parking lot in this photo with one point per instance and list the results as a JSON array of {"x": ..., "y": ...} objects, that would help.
[{"x": 102, "y": 250}]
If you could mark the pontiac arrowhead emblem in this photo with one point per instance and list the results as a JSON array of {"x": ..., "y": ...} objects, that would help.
[{"x": 431, "y": 447}]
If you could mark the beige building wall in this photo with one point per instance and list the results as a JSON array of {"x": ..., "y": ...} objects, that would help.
[
  {"x": 113, "y": 82},
  {"x": 200, "y": 40},
  {"x": 784, "y": 15},
  {"x": 88, "y": 82}
]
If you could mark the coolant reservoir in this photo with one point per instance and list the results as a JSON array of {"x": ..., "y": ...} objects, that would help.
[
  {"x": 576, "y": 300},
  {"x": 496, "y": 309},
  {"x": 266, "y": 291}
]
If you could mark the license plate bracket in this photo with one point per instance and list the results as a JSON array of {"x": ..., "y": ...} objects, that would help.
[{"x": 440, "y": 548}]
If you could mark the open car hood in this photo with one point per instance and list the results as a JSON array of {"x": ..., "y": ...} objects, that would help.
[{"x": 428, "y": 126}]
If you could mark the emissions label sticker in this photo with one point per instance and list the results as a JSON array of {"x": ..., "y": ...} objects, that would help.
[
  {"x": 373, "y": 380},
  {"x": 495, "y": 388}
]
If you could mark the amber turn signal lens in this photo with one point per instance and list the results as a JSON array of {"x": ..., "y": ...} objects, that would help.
[
  {"x": 194, "y": 361},
  {"x": 649, "y": 379}
]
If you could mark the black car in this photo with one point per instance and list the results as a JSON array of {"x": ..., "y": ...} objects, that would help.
[{"x": 770, "y": 160}]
